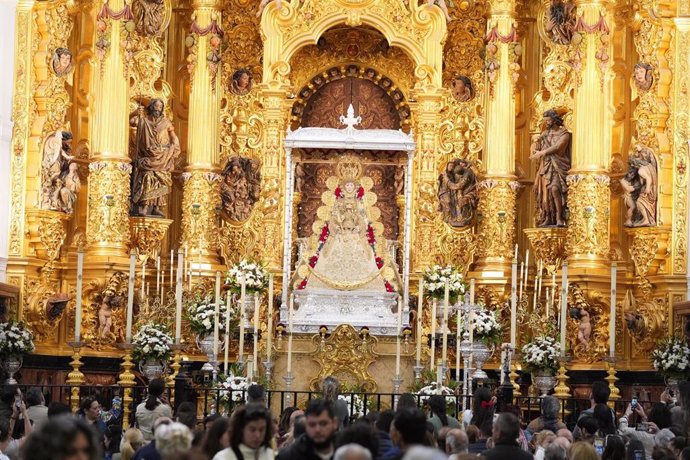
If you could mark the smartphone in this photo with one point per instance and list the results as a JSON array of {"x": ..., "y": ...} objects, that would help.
[
  {"x": 638, "y": 455},
  {"x": 18, "y": 400},
  {"x": 599, "y": 446},
  {"x": 642, "y": 426},
  {"x": 633, "y": 404}
]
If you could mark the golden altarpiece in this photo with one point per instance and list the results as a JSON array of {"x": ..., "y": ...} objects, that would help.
[{"x": 466, "y": 92}]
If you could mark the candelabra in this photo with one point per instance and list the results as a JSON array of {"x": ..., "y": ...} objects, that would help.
[
  {"x": 268, "y": 368},
  {"x": 75, "y": 378},
  {"x": 418, "y": 371},
  {"x": 288, "y": 383},
  {"x": 127, "y": 381},
  {"x": 397, "y": 382},
  {"x": 562, "y": 390},
  {"x": 612, "y": 379}
]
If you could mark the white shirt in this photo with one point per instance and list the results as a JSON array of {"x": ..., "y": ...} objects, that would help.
[{"x": 262, "y": 453}]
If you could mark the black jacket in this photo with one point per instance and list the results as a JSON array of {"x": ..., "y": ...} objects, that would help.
[
  {"x": 301, "y": 449},
  {"x": 506, "y": 451}
]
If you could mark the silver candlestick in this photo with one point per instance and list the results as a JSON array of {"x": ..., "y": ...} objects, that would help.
[
  {"x": 397, "y": 382},
  {"x": 268, "y": 366},
  {"x": 418, "y": 372},
  {"x": 288, "y": 383}
]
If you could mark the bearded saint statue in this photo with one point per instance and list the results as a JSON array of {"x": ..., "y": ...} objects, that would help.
[{"x": 156, "y": 147}]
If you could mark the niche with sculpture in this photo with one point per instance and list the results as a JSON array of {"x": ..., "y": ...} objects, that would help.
[
  {"x": 240, "y": 188},
  {"x": 60, "y": 183},
  {"x": 457, "y": 193},
  {"x": 640, "y": 188}
]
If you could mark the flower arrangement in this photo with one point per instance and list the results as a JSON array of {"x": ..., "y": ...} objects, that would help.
[
  {"x": 254, "y": 275},
  {"x": 436, "y": 277},
  {"x": 487, "y": 329},
  {"x": 15, "y": 339},
  {"x": 541, "y": 355},
  {"x": 233, "y": 390},
  {"x": 152, "y": 341},
  {"x": 671, "y": 357},
  {"x": 434, "y": 388},
  {"x": 200, "y": 313},
  {"x": 355, "y": 404}
]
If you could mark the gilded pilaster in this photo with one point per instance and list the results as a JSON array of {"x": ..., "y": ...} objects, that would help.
[
  {"x": 588, "y": 182},
  {"x": 497, "y": 193},
  {"x": 201, "y": 194},
  {"x": 110, "y": 168}
]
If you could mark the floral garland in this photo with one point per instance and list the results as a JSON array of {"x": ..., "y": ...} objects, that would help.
[
  {"x": 200, "y": 314},
  {"x": 671, "y": 358},
  {"x": 325, "y": 233},
  {"x": 253, "y": 274},
  {"x": 15, "y": 339},
  {"x": 152, "y": 341},
  {"x": 541, "y": 355}
]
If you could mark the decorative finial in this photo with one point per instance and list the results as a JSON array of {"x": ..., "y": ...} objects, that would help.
[{"x": 350, "y": 121}]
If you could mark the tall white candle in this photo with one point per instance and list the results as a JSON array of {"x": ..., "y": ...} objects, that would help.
[
  {"x": 458, "y": 339},
  {"x": 564, "y": 303},
  {"x": 172, "y": 262},
  {"x": 178, "y": 297},
  {"x": 269, "y": 309},
  {"x": 612, "y": 319},
  {"x": 472, "y": 291},
  {"x": 250, "y": 371},
  {"x": 446, "y": 302},
  {"x": 471, "y": 325},
  {"x": 255, "y": 355},
  {"x": 143, "y": 279},
  {"x": 420, "y": 315},
  {"x": 432, "y": 362},
  {"x": 227, "y": 333},
  {"x": 524, "y": 284},
  {"x": 397, "y": 339},
  {"x": 130, "y": 298},
  {"x": 216, "y": 318},
  {"x": 513, "y": 303},
  {"x": 553, "y": 288},
  {"x": 80, "y": 280},
  {"x": 200, "y": 240},
  {"x": 242, "y": 320},
  {"x": 289, "y": 357},
  {"x": 186, "y": 261},
  {"x": 158, "y": 275},
  {"x": 522, "y": 277}
]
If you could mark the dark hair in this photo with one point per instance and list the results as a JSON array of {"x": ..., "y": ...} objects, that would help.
[
  {"x": 684, "y": 400},
  {"x": 679, "y": 442},
  {"x": 53, "y": 441},
  {"x": 149, "y": 110},
  {"x": 7, "y": 394},
  {"x": 156, "y": 389},
  {"x": 437, "y": 404},
  {"x": 407, "y": 401},
  {"x": 482, "y": 417},
  {"x": 188, "y": 419},
  {"x": 299, "y": 427},
  {"x": 4, "y": 429},
  {"x": 685, "y": 454},
  {"x": 549, "y": 412},
  {"x": 284, "y": 423},
  {"x": 600, "y": 392},
  {"x": 56, "y": 408},
  {"x": 662, "y": 453},
  {"x": 385, "y": 419},
  {"x": 660, "y": 415},
  {"x": 255, "y": 393},
  {"x": 508, "y": 428},
  {"x": 411, "y": 424},
  {"x": 60, "y": 51},
  {"x": 615, "y": 448},
  {"x": 634, "y": 446},
  {"x": 211, "y": 442},
  {"x": 86, "y": 404},
  {"x": 34, "y": 397},
  {"x": 209, "y": 419},
  {"x": 588, "y": 425},
  {"x": 557, "y": 119},
  {"x": 604, "y": 419},
  {"x": 246, "y": 414},
  {"x": 316, "y": 407},
  {"x": 359, "y": 433},
  {"x": 113, "y": 432},
  {"x": 472, "y": 433}
]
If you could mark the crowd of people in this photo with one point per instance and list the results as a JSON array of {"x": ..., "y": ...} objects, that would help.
[{"x": 323, "y": 430}]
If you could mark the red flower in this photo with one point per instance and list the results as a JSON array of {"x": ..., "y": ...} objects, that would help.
[
  {"x": 370, "y": 235},
  {"x": 379, "y": 262},
  {"x": 389, "y": 287},
  {"x": 324, "y": 233},
  {"x": 303, "y": 284},
  {"x": 338, "y": 192},
  {"x": 313, "y": 260},
  {"x": 360, "y": 193}
]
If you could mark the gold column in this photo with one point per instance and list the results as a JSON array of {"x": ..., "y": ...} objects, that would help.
[
  {"x": 588, "y": 194},
  {"x": 497, "y": 193},
  {"x": 107, "y": 226},
  {"x": 201, "y": 194}
]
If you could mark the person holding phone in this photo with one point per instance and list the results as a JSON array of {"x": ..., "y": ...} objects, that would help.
[
  {"x": 11, "y": 445},
  {"x": 658, "y": 419}
]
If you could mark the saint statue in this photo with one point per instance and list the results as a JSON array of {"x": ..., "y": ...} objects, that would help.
[
  {"x": 156, "y": 147},
  {"x": 560, "y": 23},
  {"x": 240, "y": 188},
  {"x": 552, "y": 152},
  {"x": 640, "y": 188},
  {"x": 644, "y": 76},
  {"x": 462, "y": 89},
  {"x": 457, "y": 193},
  {"x": 60, "y": 179},
  {"x": 148, "y": 16}
]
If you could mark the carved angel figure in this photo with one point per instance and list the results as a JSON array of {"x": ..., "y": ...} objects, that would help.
[
  {"x": 640, "y": 188},
  {"x": 59, "y": 177},
  {"x": 240, "y": 188},
  {"x": 462, "y": 88},
  {"x": 148, "y": 16},
  {"x": 457, "y": 193},
  {"x": 584, "y": 329},
  {"x": 560, "y": 23},
  {"x": 241, "y": 82},
  {"x": 644, "y": 76},
  {"x": 105, "y": 312}
]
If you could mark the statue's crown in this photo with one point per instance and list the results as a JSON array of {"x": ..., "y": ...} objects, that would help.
[{"x": 349, "y": 167}]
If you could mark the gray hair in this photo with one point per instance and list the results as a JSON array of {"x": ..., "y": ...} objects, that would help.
[
  {"x": 550, "y": 407},
  {"x": 424, "y": 453},
  {"x": 345, "y": 451},
  {"x": 173, "y": 439},
  {"x": 555, "y": 452},
  {"x": 458, "y": 441},
  {"x": 663, "y": 437},
  {"x": 330, "y": 388}
]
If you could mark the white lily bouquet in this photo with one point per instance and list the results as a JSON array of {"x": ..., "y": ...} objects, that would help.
[
  {"x": 487, "y": 329},
  {"x": 671, "y": 358},
  {"x": 201, "y": 312},
  {"x": 233, "y": 389},
  {"x": 436, "y": 277},
  {"x": 152, "y": 341},
  {"x": 434, "y": 388},
  {"x": 15, "y": 339},
  {"x": 254, "y": 275},
  {"x": 541, "y": 355}
]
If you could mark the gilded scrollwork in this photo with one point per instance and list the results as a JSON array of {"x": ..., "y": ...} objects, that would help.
[
  {"x": 104, "y": 311},
  {"x": 587, "y": 324},
  {"x": 200, "y": 202},
  {"x": 147, "y": 235},
  {"x": 548, "y": 245},
  {"x": 46, "y": 233},
  {"x": 648, "y": 250},
  {"x": 646, "y": 322},
  {"x": 497, "y": 217},
  {"x": 588, "y": 225},
  {"x": 108, "y": 221},
  {"x": 43, "y": 306}
]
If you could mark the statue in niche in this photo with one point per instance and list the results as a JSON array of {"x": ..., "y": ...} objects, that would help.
[
  {"x": 644, "y": 76},
  {"x": 560, "y": 23},
  {"x": 62, "y": 62},
  {"x": 240, "y": 188},
  {"x": 148, "y": 16},
  {"x": 299, "y": 177},
  {"x": 640, "y": 188},
  {"x": 462, "y": 89},
  {"x": 457, "y": 193},
  {"x": 399, "y": 180},
  {"x": 241, "y": 82},
  {"x": 60, "y": 180},
  {"x": 552, "y": 151},
  {"x": 156, "y": 147},
  {"x": 584, "y": 329},
  {"x": 110, "y": 302}
]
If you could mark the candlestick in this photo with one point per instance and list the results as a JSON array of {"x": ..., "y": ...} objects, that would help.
[
  {"x": 564, "y": 303},
  {"x": 227, "y": 333},
  {"x": 432, "y": 361},
  {"x": 524, "y": 284},
  {"x": 178, "y": 298},
  {"x": 612, "y": 319},
  {"x": 522, "y": 277},
  {"x": 255, "y": 355},
  {"x": 397, "y": 339},
  {"x": 269, "y": 339},
  {"x": 162, "y": 291},
  {"x": 143, "y": 279},
  {"x": 200, "y": 242},
  {"x": 172, "y": 261},
  {"x": 516, "y": 252},
  {"x": 446, "y": 301},
  {"x": 158, "y": 275},
  {"x": 289, "y": 358},
  {"x": 420, "y": 311},
  {"x": 472, "y": 291},
  {"x": 80, "y": 276},
  {"x": 216, "y": 319},
  {"x": 130, "y": 297},
  {"x": 513, "y": 303},
  {"x": 243, "y": 289},
  {"x": 458, "y": 339}
]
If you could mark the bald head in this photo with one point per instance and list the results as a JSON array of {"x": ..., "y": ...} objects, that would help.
[
  {"x": 565, "y": 433},
  {"x": 562, "y": 442},
  {"x": 457, "y": 442},
  {"x": 352, "y": 452}
]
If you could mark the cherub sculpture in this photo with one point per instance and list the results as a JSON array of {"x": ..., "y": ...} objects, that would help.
[{"x": 584, "y": 329}]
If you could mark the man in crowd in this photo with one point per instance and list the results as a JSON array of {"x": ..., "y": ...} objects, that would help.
[
  {"x": 37, "y": 410},
  {"x": 407, "y": 430},
  {"x": 457, "y": 443},
  {"x": 505, "y": 433},
  {"x": 318, "y": 442},
  {"x": 256, "y": 394}
]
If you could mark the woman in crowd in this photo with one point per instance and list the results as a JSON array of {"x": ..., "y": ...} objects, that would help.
[
  {"x": 151, "y": 409},
  {"x": 548, "y": 420},
  {"x": 583, "y": 451},
  {"x": 132, "y": 441},
  {"x": 614, "y": 449},
  {"x": 250, "y": 435},
  {"x": 217, "y": 437},
  {"x": 91, "y": 413},
  {"x": 63, "y": 438},
  {"x": 439, "y": 418}
]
